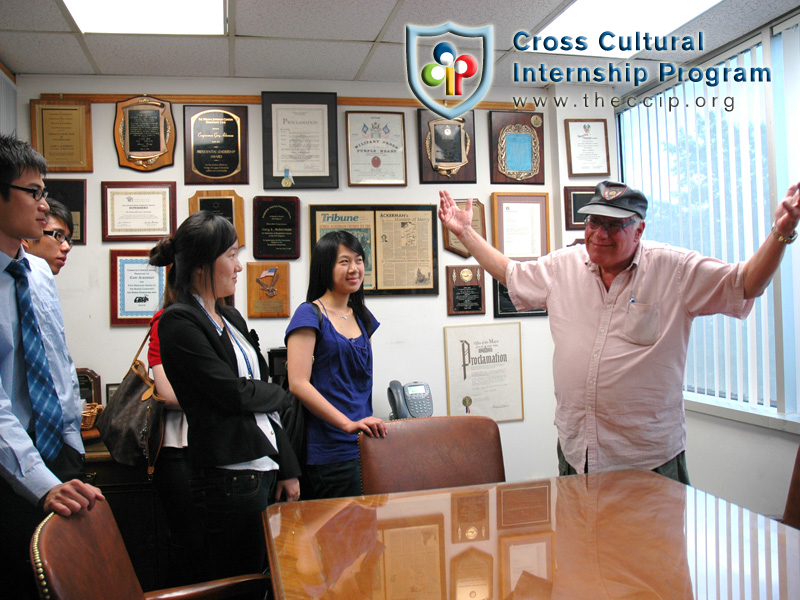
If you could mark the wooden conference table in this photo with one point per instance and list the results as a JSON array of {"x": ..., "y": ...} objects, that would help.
[{"x": 624, "y": 534}]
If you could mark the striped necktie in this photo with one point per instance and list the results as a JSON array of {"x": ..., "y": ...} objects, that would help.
[{"x": 47, "y": 416}]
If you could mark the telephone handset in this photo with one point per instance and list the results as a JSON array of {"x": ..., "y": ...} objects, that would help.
[{"x": 409, "y": 400}]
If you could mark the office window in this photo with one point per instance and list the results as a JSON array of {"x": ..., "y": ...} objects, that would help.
[{"x": 702, "y": 154}]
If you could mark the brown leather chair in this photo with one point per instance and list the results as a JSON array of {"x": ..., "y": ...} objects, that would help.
[
  {"x": 791, "y": 514},
  {"x": 430, "y": 453},
  {"x": 83, "y": 557}
]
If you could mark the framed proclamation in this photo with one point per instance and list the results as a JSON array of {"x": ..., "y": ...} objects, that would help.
[
  {"x": 144, "y": 133},
  {"x": 520, "y": 225},
  {"x": 587, "y": 147},
  {"x": 483, "y": 365},
  {"x": 61, "y": 130},
  {"x": 300, "y": 146},
  {"x": 225, "y": 203},
  {"x": 136, "y": 287},
  {"x": 517, "y": 146},
  {"x": 400, "y": 243},
  {"x": 72, "y": 194},
  {"x": 215, "y": 144},
  {"x": 276, "y": 227},
  {"x": 376, "y": 148},
  {"x": 137, "y": 210}
]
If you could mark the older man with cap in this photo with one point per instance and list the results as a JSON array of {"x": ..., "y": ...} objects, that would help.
[{"x": 620, "y": 311}]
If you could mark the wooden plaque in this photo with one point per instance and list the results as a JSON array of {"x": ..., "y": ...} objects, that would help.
[
  {"x": 428, "y": 148},
  {"x": 144, "y": 133},
  {"x": 517, "y": 147},
  {"x": 61, "y": 130},
  {"x": 466, "y": 290},
  {"x": 268, "y": 289},
  {"x": 451, "y": 242},
  {"x": 225, "y": 203}
]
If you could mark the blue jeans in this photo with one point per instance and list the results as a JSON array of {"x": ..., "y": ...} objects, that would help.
[
  {"x": 230, "y": 504},
  {"x": 336, "y": 480}
]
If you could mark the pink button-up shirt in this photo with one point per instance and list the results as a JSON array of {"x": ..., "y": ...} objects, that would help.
[{"x": 620, "y": 354}]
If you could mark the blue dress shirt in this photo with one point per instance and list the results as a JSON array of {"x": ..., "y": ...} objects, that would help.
[{"x": 20, "y": 463}]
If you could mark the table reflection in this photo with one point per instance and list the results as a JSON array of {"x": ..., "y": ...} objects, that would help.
[{"x": 625, "y": 534}]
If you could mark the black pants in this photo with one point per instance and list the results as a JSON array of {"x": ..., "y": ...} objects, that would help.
[{"x": 18, "y": 522}]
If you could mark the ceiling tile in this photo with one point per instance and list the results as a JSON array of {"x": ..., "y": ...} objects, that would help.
[
  {"x": 32, "y": 15},
  {"x": 290, "y": 59},
  {"x": 44, "y": 53},
  {"x": 312, "y": 19},
  {"x": 160, "y": 55}
]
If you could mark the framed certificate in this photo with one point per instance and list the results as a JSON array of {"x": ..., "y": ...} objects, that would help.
[
  {"x": 446, "y": 148},
  {"x": 299, "y": 140},
  {"x": 376, "y": 148},
  {"x": 400, "y": 243},
  {"x": 413, "y": 557},
  {"x": 136, "y": 287},
  {"x": 72, "y": 194},
  {"x": 144, "y": 133},
  {"x": 517, "y": 147},
  {"x": 520, "y": 225},
  {"x": 215, "y": 144},
  {"x": 530, "y": 558},
  {"x": 587, "y": 147},
  {"x": 575, "y": 198},
  {"x": 61, "y": 130},
  {"x": 224, "y": 203},
  {"x": 137, "y": 210}
]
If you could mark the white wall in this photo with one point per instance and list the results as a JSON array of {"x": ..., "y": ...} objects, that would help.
[{"x": 410, "y": 342}]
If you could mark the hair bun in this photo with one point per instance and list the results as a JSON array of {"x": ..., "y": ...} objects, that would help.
[{"x": 163, "y": 254}]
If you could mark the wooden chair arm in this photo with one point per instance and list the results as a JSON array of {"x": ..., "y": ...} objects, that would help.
[{"x": 229, "y": 587}]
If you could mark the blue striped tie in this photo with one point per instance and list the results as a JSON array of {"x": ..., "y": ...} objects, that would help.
[{"x": 47, "y": 415}]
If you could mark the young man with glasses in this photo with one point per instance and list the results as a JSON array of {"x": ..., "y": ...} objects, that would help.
[
  {"x": 56, "y": 240},
  {"x": 41, "y": 451},
  {"x": 620, "y": 311}
]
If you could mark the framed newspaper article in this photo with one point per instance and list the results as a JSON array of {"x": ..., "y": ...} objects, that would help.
[{"x": 400, "y": 244}]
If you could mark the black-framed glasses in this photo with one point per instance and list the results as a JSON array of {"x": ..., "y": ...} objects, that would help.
[
  {"x": 59, "y": 236},
  {"x": 611, "y": 227},
  {"x": 37, "y": 193}
]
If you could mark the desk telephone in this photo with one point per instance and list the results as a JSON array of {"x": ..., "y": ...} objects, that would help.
[{"x": 409, "y": 400}]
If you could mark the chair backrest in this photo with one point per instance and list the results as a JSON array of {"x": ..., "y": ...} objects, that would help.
[
  {"x": 83, "y": 556},
  {"x": 430, "y": 453},
  {"x": 791, "y": 515}
]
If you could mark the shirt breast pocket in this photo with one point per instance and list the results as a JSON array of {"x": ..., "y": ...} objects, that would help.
[{"x": 642, "y": 324}]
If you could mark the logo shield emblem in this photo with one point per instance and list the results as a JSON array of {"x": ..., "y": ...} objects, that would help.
[{"x": 413, "y": 69}]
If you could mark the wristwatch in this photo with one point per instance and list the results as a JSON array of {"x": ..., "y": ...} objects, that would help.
[{"x": 782, "y": 238}]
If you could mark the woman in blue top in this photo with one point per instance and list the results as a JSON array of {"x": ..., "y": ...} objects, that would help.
[{"x": 330, "y": 366}]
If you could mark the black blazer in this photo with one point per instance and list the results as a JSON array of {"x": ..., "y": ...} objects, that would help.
[{"x": 219, "y": 404}]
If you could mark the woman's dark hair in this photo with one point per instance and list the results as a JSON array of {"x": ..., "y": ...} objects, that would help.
[
  {"x": 323, "y": 259},
  {"x": 59, "y": 211},
  {"x": 198, "y": 242}
]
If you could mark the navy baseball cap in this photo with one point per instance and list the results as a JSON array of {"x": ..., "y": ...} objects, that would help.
[{"x": 616, "y": 200}]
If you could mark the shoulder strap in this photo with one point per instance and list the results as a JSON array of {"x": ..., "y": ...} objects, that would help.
[
  {"x": 139, "y": 351},
  {"x": 319, "y": 319}
]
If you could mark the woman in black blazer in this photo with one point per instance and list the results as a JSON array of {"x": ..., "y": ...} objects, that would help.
[{"x": 241, "y": 458}]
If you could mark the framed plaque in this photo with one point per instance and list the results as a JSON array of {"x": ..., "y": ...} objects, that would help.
[
  {"x": 524, "y": 505},
  {"x": 300, "y": 145},
  {"x": 225, "y": 203},
  {"x": 61, "y": 130},
  {"x": 72, "y": 194},
  {"x": 451, "y": 242},
  {"x": 517, "y": 146},
  {"x": 136, "y": 287},
  {"x": 400, "y": 243},
  {"x": 520, "y": 225},
  {"x": 446, "y": 148},
  {"x": 268, "y": 289},
  {"x": 587, "y": 147},
  {"x": 471, "y": 575},
  {"x": 469, "y": 514},
  {"x": 276, "y": 227},
  {"x": 137, "y": 211},
  {"x": 144, "y": 133},
  {"x": 575, "y": 198},
  {"x": 215, "y": 144},
  {"x": 483, "y": 366},
  {"x": 89, "y": 386},
  {"x": 376, "y": 148},
  {"x": 503, "y": 307},
  {"x": 110, "y": 389},
  {"x": 466, "y": 290}
]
